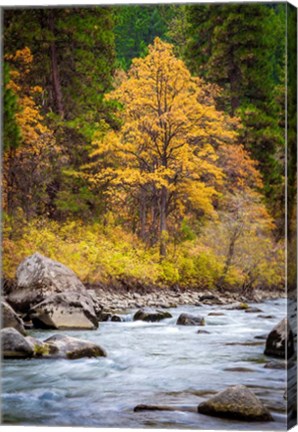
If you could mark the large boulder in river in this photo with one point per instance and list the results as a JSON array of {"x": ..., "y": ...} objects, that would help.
[
  {"x": 150, "y": 315},
  {"x": 236, "y": 402},
  {"x": 53, "y": 296},
  {"x": 10, "y": 318},
  {"x": 73, "y": 348},
  {"x": 71, "y": 310},
  {"x": 14, "y": 345},
  {"x": 190, "y": 320},
  {"x": 39, "y": 277},
  {"x": 280, "y": 341}
]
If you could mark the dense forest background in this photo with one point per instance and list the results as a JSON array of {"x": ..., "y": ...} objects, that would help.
[{"x": 146, "y": 144}]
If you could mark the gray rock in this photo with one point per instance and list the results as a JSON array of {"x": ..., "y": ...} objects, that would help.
[
  {"x": 150, "y": 315},
  {"x": 280, "y": 341},
  {"x": 210, "y": 299},
  {"x": 14, "y": 345},
  {"x": 190, "y": 320},
  {"x": 236, "y": 402},
  {"x": 276, "y": 365},
  {"x": 38, "y": 278},
  {"x": 41, "y": 349},
  {"x": 73, "y": 348},
  {"x": 116, "y": 318},
  {"x": 10, "y": 318},
  {"x": 71, "y": 310},
  {"x": 105, "y": 316}
]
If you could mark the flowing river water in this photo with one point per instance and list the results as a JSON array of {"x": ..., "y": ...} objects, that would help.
[{"x": 150, "y": 363}]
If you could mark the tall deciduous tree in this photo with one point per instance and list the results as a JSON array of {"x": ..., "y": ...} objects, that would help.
[{"x": 164, "y": 154}]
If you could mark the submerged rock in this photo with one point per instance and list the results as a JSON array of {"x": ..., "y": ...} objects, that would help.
[
  {"x": 73, "y": 348},
  {"x": 190, "y": 320},
  {"x": 151, "y": 315},
  {"x": 237, "y": 306},
  {"x": 215, "y": 314},
  {"x": 236, "y": 402},
  {"x": 10, "y": 318},
  {"x": 280, "y": 341},
  {"x": 276, "y": 365},
  {"x": 239, "y": 369},
  {"x": 64, "y": 311},
  {"x": 263, "y": 337},
  {"x": 143, "y": 407},
  {"x": 247, "y": 343},
  {"x": 15, "y": 345},
  {"x": 253, "y": 310}
]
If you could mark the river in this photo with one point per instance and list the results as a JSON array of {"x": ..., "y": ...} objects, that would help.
[{"x": 150, "y": 363}]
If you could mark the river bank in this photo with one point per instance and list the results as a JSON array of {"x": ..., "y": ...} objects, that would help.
[{"x": 123, "y": 297}]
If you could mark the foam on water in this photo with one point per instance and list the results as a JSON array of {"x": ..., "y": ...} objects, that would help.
[{"x": 151, "y": 363}]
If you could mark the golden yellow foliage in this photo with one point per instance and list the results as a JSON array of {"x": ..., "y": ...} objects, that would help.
[{"x": 165, "y": 153}]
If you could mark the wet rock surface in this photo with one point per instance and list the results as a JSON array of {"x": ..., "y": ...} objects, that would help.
[
  {"x": 280, "y": 341},
  {"x": 14, "y": 344},
  {"x": 161, "y": 365},
  {"x": 236, "y": 402},
  {"x": 64, "y": 311},
  {"x": 73, "y": 348},
  {"x": 150, "y": 315},
  {"x": 190, "y": 320},
  {"x": 10, "y": 318}
]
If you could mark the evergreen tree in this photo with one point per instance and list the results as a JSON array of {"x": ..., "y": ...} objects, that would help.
[
  {"x": 73, "y": 50},
  {"x": 11, "y": 130},
  {"x": 137, "y": 26},
  {"x": 237, "y": 46},
  {"x": 74, "y": 56}
]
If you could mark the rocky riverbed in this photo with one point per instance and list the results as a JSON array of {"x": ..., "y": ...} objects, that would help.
[
  {"x": 120, "y": 299},
  {"x": 161, "y": 364},
  {"x": 142, "y": 357}
]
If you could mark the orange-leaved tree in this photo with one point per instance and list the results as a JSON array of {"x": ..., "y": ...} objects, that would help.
[{"x": 163, "y": 161}]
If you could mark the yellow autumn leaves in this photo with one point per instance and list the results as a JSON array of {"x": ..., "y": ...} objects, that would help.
[{"x": 168, "y": 136}]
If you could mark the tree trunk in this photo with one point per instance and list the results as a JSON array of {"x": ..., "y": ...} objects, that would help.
[
  {"x": 143, "y": 217},
  {"x": 228, "y": 260},
  {"x": 163, "y": 221},
  {"x": 10, "y": 193},
  {"x": 55, "y": 69},
  {"x": 234, "y": 78}
]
